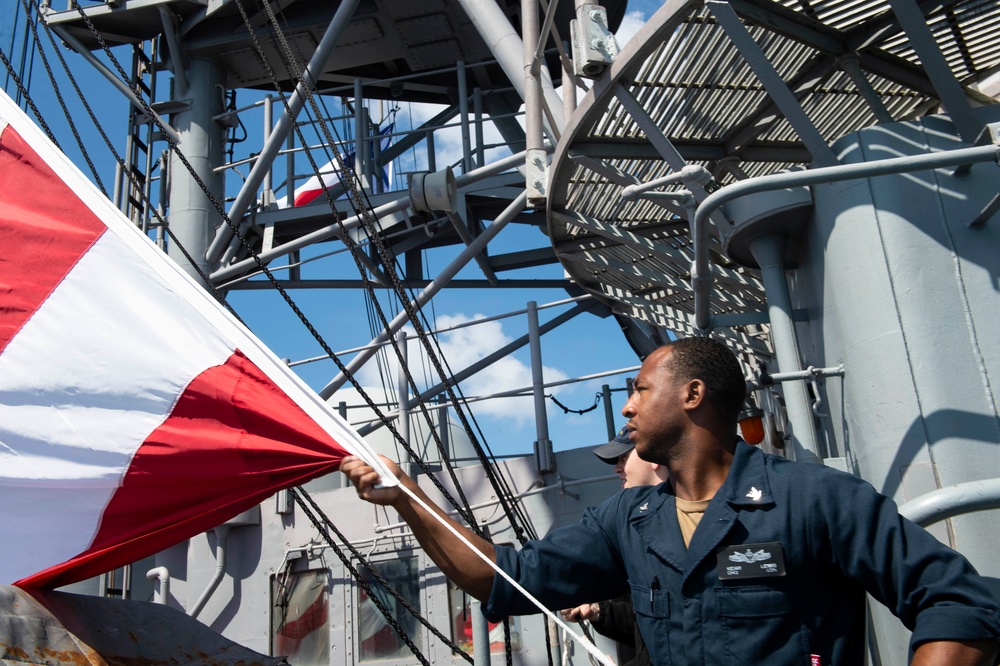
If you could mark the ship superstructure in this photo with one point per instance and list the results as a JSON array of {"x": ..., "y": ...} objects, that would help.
[{"x": 816, "y": 184}]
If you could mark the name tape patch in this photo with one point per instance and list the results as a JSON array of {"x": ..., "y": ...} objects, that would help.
[{"x": 752, "y": 560}]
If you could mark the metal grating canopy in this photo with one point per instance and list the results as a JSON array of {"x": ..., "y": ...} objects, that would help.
[{"x": 765, "y": 96}]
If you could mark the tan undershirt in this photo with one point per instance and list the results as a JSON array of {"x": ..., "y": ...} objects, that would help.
[{"x": 689, "y": 514}]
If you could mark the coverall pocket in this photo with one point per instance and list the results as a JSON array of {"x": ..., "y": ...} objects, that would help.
[
  {"x": 652, "y": 614},
  {"x": 761, "y": 626}
]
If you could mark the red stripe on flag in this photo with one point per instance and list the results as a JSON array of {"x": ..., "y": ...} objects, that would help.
[
  {"x": 44, "y": 230},
  {"x": 307, "y": 197},
  {"x": 232, "y": 440}
]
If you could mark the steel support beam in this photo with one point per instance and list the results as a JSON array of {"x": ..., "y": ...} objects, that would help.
[
  {"x": 949, "y": 91},
  {"x": 248, "y": 193},
  {"x": 769, "y": 250},
  {"x": 436, "y": 285},
  {"x": 773, "y": 83}
]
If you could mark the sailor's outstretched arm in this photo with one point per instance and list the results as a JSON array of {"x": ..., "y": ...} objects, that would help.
[
  {"x": 954, "y": 653},
  {"x": 456, "y": 561}
]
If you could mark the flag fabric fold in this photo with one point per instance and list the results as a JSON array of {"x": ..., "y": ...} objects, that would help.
[{"x": 135, "y": 411}]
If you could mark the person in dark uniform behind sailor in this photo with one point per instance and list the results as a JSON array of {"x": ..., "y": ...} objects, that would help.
[
  {"x": 615, "y": 618},
  {"x": 740, "y": 557}
]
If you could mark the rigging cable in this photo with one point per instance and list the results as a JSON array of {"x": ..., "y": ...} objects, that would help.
[
  {"x": 119, "y": 161},
  {"x": 242, "y": 237},
  {"x": 58, "y": 93},
  {"x": 364, "y": 212},
  {"x": 389, "y": 266},
  {"x": 320, "y": 520},
  {"x": 27, "y": 97},
  {"x": 22, "y": 91},
  {"x": 25, "y": 59},
  {"x": 374, "y": 598},
  {"x": 495, "y": 480},
  {"x": 376, "y": 239},
  {"x": 567, "y": 410},
  {"x": 13, "y": 37}
]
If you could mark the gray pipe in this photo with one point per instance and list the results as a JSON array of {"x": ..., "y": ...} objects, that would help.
[
  {"x": 248, "y": 193},
  {"x": 359, "y": 131},
  {"x": 543, "y": 445},
  {"x": 689, "y": 173},
  {"x": 403, "y": 396},
  {"x": 532, "y": 87},
  {"x": 463, "y": 117},
  {"x": 609, "y": 411},
  {"x": 221, "y": 536},
  {"x": 501, "y": 38},
  {"x": 953, "y": 501},
  {"x": 568, "y": 87},
  {"x": 480, "y": 635},
  {"x": 833, "y": 174},
  {"x": 268, "y": 123},
  {"x": 768, "y": 251},
  {"x": 169, "y": 21}
]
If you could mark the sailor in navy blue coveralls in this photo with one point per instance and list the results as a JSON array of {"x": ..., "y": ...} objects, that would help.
[
  {"x": 777, "y": 566},
  {"x": 775, "y": 573}
]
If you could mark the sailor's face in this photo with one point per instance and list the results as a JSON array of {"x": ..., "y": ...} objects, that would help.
[
  {"x": 655, "y": 408},
  {"x": 620, "y": 467},
  {"x": 634, "y": 471}
]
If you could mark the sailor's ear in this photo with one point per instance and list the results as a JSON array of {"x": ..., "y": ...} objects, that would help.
[{"x": 695, "y": 393}]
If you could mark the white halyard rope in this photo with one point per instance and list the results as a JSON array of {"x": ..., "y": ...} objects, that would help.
[{"x": 587, "y": 645}]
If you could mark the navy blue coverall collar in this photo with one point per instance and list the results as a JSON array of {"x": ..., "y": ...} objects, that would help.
[{"x": 746, "y": 485}]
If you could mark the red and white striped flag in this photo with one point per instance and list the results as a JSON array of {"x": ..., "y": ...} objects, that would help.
[
  {"x": 135, "y": 412},
  {"x": 329, "y": 174}
]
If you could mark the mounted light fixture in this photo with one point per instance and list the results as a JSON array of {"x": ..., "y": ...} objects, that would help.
[{"x": 751, "y": 421}]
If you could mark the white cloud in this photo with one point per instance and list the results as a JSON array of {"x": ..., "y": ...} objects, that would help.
[
  {"x": 448, "y": 140},
  {"x": 631, "y": 23},
  {"x": 462, "y": 348}
]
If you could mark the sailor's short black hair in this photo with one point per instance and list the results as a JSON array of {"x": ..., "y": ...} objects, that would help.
[{"x": 715, "y": 364}]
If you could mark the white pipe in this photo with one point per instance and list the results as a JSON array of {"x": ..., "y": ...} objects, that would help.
[
  {"x": 221, "y": 535},
  {"x": 953, "y": 501},
  {"x": 162, "y": 593}
]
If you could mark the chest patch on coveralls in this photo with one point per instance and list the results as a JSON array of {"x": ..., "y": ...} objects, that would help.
[{"x": 751, "y": 560}]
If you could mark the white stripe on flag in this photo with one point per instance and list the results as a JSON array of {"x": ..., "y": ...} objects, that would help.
[{"x": 76, "y": 372}]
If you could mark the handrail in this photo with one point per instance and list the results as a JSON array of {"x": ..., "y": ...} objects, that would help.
[{"x": 953, "y": 501}]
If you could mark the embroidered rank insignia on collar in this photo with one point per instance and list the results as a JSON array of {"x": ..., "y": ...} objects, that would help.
[{"x": 754, "y": 494}]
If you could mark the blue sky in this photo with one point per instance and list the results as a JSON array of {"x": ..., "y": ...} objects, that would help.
[{"x": 584, "y": 346}]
